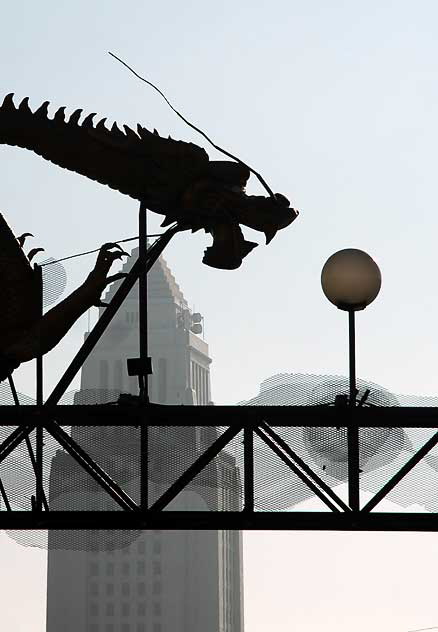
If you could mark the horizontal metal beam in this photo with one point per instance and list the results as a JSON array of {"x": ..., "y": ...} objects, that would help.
[
  {"x": 235, "y": 520},
  {"x": 162, "y": 415}
]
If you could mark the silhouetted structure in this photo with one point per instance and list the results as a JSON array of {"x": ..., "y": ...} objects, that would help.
[
  {"x": 25, "y": 332},
  {"x": 170, "y": 177},
  {"x": 383, "y": 450}
]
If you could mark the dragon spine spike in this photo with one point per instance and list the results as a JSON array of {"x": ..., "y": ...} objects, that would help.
[
  {"x": 8, "y": 103},
  {"x": 60, "y": 115},
  {"x": 24, "y": 105},
  {"x": 42, "y": 111},
  {"x": 130, "y": 133},
  {"x": 74, "y": 118},
  {"x": 139, "y": 163},
  {"x": 142, "y": 132},
  {"x": 116, "y": 131},
  {"x": 87, "y": 123},
  {"x": 100, "y": 127}
]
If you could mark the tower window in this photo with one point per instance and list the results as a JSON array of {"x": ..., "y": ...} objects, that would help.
[
  {"x": 110, "y": 589},
  {"x": 156, "y": 588},
  {"x": 162, "y": 380},
  {"x": 103, "y": 374},
  {"x": 118, "y": 375}
]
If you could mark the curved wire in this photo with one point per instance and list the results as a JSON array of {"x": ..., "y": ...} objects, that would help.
[
  {"x": 197, "y": 129},
  {"x": 89, "y": 252}
]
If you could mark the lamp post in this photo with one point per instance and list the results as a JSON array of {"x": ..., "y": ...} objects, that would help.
[{"x": 351, "y": 280}]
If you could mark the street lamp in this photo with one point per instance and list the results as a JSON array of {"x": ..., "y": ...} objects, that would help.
[{"x": 351, "y": 280}]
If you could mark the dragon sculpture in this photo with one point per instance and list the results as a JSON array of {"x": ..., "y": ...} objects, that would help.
[
  {"x": 170, "y": 177},
  {"x": 24, "y": 332}
]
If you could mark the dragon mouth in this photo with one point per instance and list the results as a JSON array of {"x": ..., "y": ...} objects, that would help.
[
  {"x": 224, "y": 256},
  {"x": 216, "y": 260}
]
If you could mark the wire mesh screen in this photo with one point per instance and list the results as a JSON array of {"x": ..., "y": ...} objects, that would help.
[
  {"x": 382, "y": 451},
  {"x": 219, "y": 486}
]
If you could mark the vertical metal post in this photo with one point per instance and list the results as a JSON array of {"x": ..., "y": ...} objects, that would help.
[
  {"x": 248, "y": 465},
  {"x": 143, "y": 301},
  {"x": 143, "y": 341},
  {"x": 39, "y": 400},
  {"x": 353, "y": 431}
]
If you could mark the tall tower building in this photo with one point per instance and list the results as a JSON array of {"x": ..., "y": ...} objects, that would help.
[
  {"x": 161, "y": 581},
  {"x": 181, "y": 373}
]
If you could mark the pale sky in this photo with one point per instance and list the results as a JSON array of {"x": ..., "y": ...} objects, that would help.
[{"x": 335, "y": 104}]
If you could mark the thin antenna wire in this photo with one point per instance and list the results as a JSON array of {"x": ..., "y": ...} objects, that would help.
[
  {"x": 89, "y": 252},
  {"x": 223, "y": 151}
]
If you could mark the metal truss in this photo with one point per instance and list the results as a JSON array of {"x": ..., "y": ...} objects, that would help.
[{"x": 252, "y": 421}]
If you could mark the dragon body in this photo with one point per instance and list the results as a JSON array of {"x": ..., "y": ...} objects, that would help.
[
  {"x": 174, "y": 178},
  {"x": 24, "y": 332}
]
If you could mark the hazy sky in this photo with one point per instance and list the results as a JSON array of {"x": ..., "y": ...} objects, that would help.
[{"x": 335, "y": 104}]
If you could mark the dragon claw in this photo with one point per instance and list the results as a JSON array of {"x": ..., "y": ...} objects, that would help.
[
  {"x": 98, "y": 279},
  {"x": 34, "y": 252},
  {"x": 22, "y": 238},
  {"x": 107, "y": 247}
]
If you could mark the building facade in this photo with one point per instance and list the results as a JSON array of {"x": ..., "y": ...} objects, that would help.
[{"x": 156, "y": 581}]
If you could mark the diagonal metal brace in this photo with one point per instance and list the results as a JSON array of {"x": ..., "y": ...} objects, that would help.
[
  {"x": 35, "y": 469},
  {"x": 407, "y": 467},
  {"x": 109, "y": 313},
  {"x": 4, "y": 496},
  {"x": 288, "y": 461},
  {"x": 196, "y": 467},
  {"x": 14, "y": 439},
  {"x": 90, "y": 466},
  {"x": 306, "y": 469}
]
